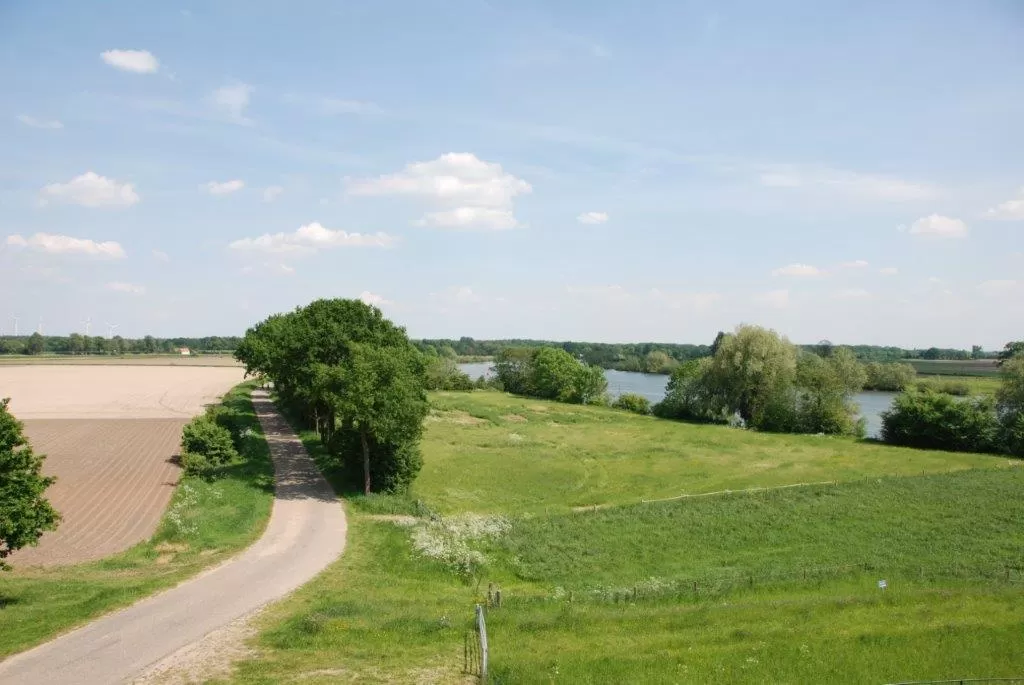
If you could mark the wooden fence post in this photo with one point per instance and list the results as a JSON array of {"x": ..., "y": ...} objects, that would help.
[{"x": 481, "y": 626}]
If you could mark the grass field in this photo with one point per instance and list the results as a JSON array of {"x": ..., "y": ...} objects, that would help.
[
  {"x": 786, "y": 579},
  {"x": 966, "y": 367},
  {"x": 205, "y": 522}
]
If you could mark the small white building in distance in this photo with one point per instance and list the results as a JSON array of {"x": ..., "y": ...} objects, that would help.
[{"x": 184, "y": 351}]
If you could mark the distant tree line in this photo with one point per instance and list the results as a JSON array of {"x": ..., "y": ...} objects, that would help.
[
  {"x": 341, "y": 368},
  {"x": 665, "y": 357},
  {"x": 77, "y": 343}
]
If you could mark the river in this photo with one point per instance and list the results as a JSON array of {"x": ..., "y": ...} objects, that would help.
[{"x": 652, "y": 386}]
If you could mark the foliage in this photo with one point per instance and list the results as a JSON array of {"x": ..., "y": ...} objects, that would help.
[
  {"x": 25, "y": 514},
  {"x": 630, "y": 401},
  {"x": 1010, "y": 405},
  {"x": 202, "y": 436},
  {"x": 77, "y": 343},
  {"x": 892, "y": 376},
  {"x": 957, "y": 388},
  {"x": 691, "y": 396},
  {"x": 1012, "y": 349},
  {"x": 935, "y": 421},
  {"x": 443, "y": 373},
  {"x": 550, "y": 373},
  {"x": 340, "y": 366},
  {"x": 195, "y": 464}
]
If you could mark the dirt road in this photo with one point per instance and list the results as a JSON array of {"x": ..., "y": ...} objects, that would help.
[{"x": 306, "y": 532}]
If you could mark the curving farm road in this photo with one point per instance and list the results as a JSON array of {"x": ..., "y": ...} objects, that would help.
[{"x": 306, "y": 532}]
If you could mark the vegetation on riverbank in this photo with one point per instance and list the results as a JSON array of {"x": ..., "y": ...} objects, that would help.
[
  {"x": 208, "y": 519},
  {"x": 786, "y": 579}
]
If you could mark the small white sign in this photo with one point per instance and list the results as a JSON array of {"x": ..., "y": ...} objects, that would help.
[{"x": 882, "y": 585}]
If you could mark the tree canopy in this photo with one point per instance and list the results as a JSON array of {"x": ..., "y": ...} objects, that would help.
[
  {"x": 25, "y": 514},
  {"x": 347, "y": 371}
]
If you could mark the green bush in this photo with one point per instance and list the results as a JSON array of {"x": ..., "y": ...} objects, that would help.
[
  {"x": 195, "y": 464},
  {"x": 933, "y": 420},
  {"x": 631, "y": 401},
  {"x": 956, "y": 388},
  {"x": 444, "y": 374},
  {"x": 204, "y": 437},
  {"x": 892, "y": 377}
]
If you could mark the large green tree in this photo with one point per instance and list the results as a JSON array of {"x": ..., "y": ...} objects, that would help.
[
  {"x": 24, "y": 511},
  {"x": 343, "y": 368},
  {"x": 1010, "y": 404},
  {"x": 752, "y": 368}
]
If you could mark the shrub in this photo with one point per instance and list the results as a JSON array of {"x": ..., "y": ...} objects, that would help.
[
  {"x": 195, "y": 464},
  {"x": 936, "y": 421},
  {"x": 444, "y": 374},
  {"x": 204, "y": 437},
  {"x": 892, "y": 377},
  {"x": 630, "y": 401},
  {"x": 957, "y": 388}
]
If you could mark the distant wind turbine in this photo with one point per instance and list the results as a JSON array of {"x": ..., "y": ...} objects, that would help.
[
  {"x": 111, "y": 327},
  {"x": 40, "y": 329},
  {"x": 16, "y": 320},
  {"x": 88, "y": 324}
]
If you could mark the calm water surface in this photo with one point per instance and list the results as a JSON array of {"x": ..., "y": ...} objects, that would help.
[{"x": 652, "y": 386}]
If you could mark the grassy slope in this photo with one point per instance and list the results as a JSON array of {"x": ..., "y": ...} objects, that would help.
[
  {"x": 490, "y": 452},
  {"x": 216, "y": 518},
  {"x": 382, "y": 614},
  {"x": 979, "y": 385}
]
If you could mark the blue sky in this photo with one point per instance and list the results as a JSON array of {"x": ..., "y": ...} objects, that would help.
[{"x": 575, "y": 170}]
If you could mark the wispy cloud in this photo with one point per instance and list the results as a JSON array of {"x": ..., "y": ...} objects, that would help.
[
  {"x": 798, "y": 270},
  {"x": 62, "y": 244},
  {"x": 938, "y": 226},
  {"x": 52, "y": 124},
  {"x": 777, "y": 299},
  {"x": 1011, "y": 210},
  {"x": 232, "y": 101},
  {"x": 592, "y": 218},
  {"x": 850, "y": 183},
  {"x": 310, "y": 238},
  {"x": 223, "y": 188},
  {"x": 129, "y": 288},
  {"x": 271, "y": 193}
]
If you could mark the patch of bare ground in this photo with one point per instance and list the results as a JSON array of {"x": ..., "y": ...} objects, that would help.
[
  {"x": 454, "y": 416},
  {"x": 515, "y": 418}
]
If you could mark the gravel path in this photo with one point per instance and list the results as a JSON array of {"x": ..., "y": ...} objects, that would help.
[{"x": 306, "y": 532}]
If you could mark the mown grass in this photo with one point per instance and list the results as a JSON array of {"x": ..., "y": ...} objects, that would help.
[
  {"x": 492, "y": 452},
  {"x": 206, "y": 521},
  {"x": 786, "y": 579}
]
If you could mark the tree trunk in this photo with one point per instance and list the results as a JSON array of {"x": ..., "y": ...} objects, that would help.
[{"x": 366, "y": 462}]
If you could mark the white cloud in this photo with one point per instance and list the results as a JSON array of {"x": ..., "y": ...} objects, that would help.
[
  {"x": 374, "y": 299},
  {"x": 233, "y": 100},
  {"x": 135, "y": 61},
  {"x": 1011, "y": 210},
  {"x": 851, "y": 183},
  {"x": 311, "y": 237},
  {"x": 472, "y": 193},
  {"x": 224, "y": 188},
  {"x": 91, "y": 190},
  {"x": 800, "y": 270},
  {"x": 470, "y": 217},
  {"x": 888, "y": 271},
  {"x": 62, "y": 244},
  {"x": 852, "y": 294},
  {"x": 939, "y": 226},
  {"x": 779, "y": 299},
  {"x": 39, "y": 123},
  {"x": 270, "y": 193},
  {"x": 855, "y": 264},
  {"x": 271, "y": 268},
  {"x": 130, "y": 288},
  {"x": 998, "y": 287},
  {"x": 161, "y": 256},
  {"x": 592, "y": 218}
]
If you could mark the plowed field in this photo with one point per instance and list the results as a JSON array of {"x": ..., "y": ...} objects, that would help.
[{"x": 109, "y": 434}]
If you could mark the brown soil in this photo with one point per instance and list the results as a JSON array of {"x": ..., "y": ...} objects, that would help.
[{"x": 114, "y": 480}]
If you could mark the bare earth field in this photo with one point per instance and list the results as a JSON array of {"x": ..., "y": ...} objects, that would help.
[
  {"x": 128, "y": 360},
  {"x": 114, "y": 480},
  {"x": 109, "y": 434},
  {"x": 113, "y": 392}
]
